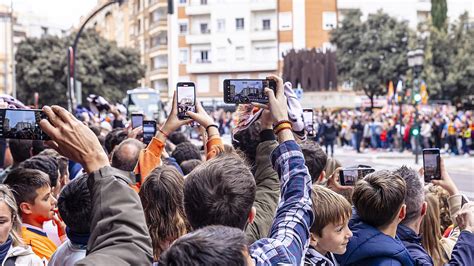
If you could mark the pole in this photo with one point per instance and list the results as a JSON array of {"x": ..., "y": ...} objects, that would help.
[
  {"x": 72, "y": 88},
  {"x": 400, "y": 120},
  {"x": 12, "y": 52}
]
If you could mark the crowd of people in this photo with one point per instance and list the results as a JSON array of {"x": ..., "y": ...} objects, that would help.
[
  {"x": 447, "y": 130},
  {"x": 99, "y": 196}
]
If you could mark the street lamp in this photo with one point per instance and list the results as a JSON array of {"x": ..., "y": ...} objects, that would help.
[
  {"x": 71, "y": 55},
  {"x": 415, "y": 61}
]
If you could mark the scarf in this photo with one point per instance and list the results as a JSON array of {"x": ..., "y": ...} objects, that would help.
[{"x": 5, "y": 247}]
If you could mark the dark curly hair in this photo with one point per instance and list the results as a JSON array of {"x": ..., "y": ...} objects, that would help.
[
  {"x": 246, "y": 142},
  {"x": 186, "y": 151},
  {"x": 47, "y": 164},
  {"x": 114, "y": 138},
  {"x": 75, "y": 205}
]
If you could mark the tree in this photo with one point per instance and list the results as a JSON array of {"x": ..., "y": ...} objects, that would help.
[
  {"x": 439, "y": 13},
  {"x": 101, "y": 66},
  {"x": 371, "y": 53}
]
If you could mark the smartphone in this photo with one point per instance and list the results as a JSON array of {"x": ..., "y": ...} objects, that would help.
[
  {"x": 308, "y": 121},
  {"x": 149, "y": 130},
  {"x": 349, "y": 176},
  {"x": 247, "y": 90},
  {"x": 137, "y": 120},
  {"x": 22, "y": 124},
  {"x": 431, "y": 164},
  {"x": 186, "y": 94}
]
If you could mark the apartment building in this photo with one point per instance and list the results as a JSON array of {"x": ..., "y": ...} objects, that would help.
[{"x": 221, "y": 39}]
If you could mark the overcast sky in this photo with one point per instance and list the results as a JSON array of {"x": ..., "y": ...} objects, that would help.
[{"x": 62, "y": 13}]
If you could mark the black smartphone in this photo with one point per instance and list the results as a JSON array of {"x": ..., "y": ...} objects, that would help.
[
  {"x": 149, "y": 130},
  {"x": 137, "y": 120},
  {"x": 431, "y": 164},
  {"x": 308, "y": 121},
  {"x": 22, "y": 124},
  {"x": 247, "y": 90},
  {"x": 349, "y": 176},
  {"x": 186, "y": 94}
]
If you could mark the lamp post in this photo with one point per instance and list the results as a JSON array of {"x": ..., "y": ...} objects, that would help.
[
  {"x": 400, "y": 96},
  {"x": 71, "y": 55},
  {"x": 415, "y": 61}
]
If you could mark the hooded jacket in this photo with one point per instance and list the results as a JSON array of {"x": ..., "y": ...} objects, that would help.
[
  {"x": 412, "y": 242},
  {"x": 24, "y": 256},
  {"x": 369, "y": 246}
]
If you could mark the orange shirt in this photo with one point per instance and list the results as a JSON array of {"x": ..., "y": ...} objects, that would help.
[{"x": 38, "y": 241}]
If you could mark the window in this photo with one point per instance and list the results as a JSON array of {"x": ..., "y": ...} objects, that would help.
[
  {"x": 204, "y": 56},
  {"x": 329, "y": 20},
  {"x": 183, "y": 28},
  {"x": 285, "y": 21},
  {"x": 266, "y": 24},
  {"x": 239, "y": 23},
  {"x": 203, "y": 2},
  {"x": 221, "y": 25},
  {"x": 204, "y": 28},
  {"x": 221, "y": 54},
  {"x": 183, "y": 56},
  {"x": 239, "y": 53},
  {"x": 202, "y": 83},
  {"x": 182, "y": 1},
  {"x": 139, "y": 23}
]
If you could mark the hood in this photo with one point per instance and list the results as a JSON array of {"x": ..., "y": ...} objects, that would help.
[
  {"x": 369, "y": 245},
  {"x": 20, "y": 251}
]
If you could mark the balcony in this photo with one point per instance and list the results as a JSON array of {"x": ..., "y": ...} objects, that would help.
[
  {"x": 193, "y": 10},
  {"x": 161, "y": 49},
  {"x": 159, "y": 73},
  {"x": 260, "y": 34},
  {"x": 245, "y": 66},
  {"x": 198, "y": 38},
  {"x": 155, "y": 4},
  {"x": 157, "y": 26},
  {"x": 262, "y": 5}
]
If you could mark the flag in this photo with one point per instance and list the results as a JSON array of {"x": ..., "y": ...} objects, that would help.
[
  {"x": 390, "y": 92},
  {"x": 423, "y": 93}
]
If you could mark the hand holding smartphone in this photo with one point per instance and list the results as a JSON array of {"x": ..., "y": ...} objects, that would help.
[
  {"x": 241, "y": 91},
  {"x": 149, "y": 130},
  {"x": 431, "y": 164},
  {"x": 186, "y": 99},
  {"x": 137, "y": 120},
  {"x": 308, "y": 121},
  {"x": 22, "y": 124}
]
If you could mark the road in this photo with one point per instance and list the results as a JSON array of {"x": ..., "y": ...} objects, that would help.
[{"x": 461, "y": 169}]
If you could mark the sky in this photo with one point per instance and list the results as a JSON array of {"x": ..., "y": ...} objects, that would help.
[{"x": 61, "y": 13}]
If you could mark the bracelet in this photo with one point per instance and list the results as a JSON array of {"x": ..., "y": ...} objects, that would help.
[
  {"x": 212, "y": 125},
  {"x": 162, "y": 132},
  {"x": 282, "y": 125},
  {"x": 281, "y": 129},
  {"x": 281, "y": 122}
]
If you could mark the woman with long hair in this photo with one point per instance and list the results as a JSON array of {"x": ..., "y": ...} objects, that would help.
[
  {"x": 12, "y": 249},
  {"x": 162, "y": 200}
]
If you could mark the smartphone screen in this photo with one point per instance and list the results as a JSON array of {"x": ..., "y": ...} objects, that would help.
[
  {"x": 247, "y": 90},
  {"x": 348, "y": 177},
  {"x": 149, "y": 130},
  {"x": 186, "y": 94},
  {"x": 137, "y": 120},
  {"x": 431, "y": 161},
  {"x": 22, "y": 124},
  {"x": 308, "y": 121}
]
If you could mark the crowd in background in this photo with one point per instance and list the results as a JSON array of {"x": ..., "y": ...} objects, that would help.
[{"x": 97, "y": 195}]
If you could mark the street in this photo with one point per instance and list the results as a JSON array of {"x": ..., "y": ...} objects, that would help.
[{"x": 460, "y": 168}]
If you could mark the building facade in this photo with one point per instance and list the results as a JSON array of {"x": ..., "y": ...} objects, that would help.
[{"x": 222, "y": 39}]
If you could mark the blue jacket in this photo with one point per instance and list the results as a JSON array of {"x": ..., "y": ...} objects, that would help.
[
  {"x": 463, "y": 252},
  {"x": 412, "y": 242},
  {"x": 368, "y": 246}
]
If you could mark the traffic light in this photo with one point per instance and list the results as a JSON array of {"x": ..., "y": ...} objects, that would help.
[{"x": 415, "y": 131}]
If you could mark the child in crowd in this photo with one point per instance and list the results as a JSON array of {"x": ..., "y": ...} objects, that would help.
[
  {"x": 12, "y": 249},
  {"x": 36, "y": 204},
  {"x": 74, "y": 204},
  {"x": 379, "y": 201},
  {"x": 330, "y": 232}
]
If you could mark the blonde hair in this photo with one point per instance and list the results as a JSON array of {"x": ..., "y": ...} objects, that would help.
[
  {"x": 7, "y": 196},
  {"x": 430, "y": 230},
  {"x": 328, "y": 207}
]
